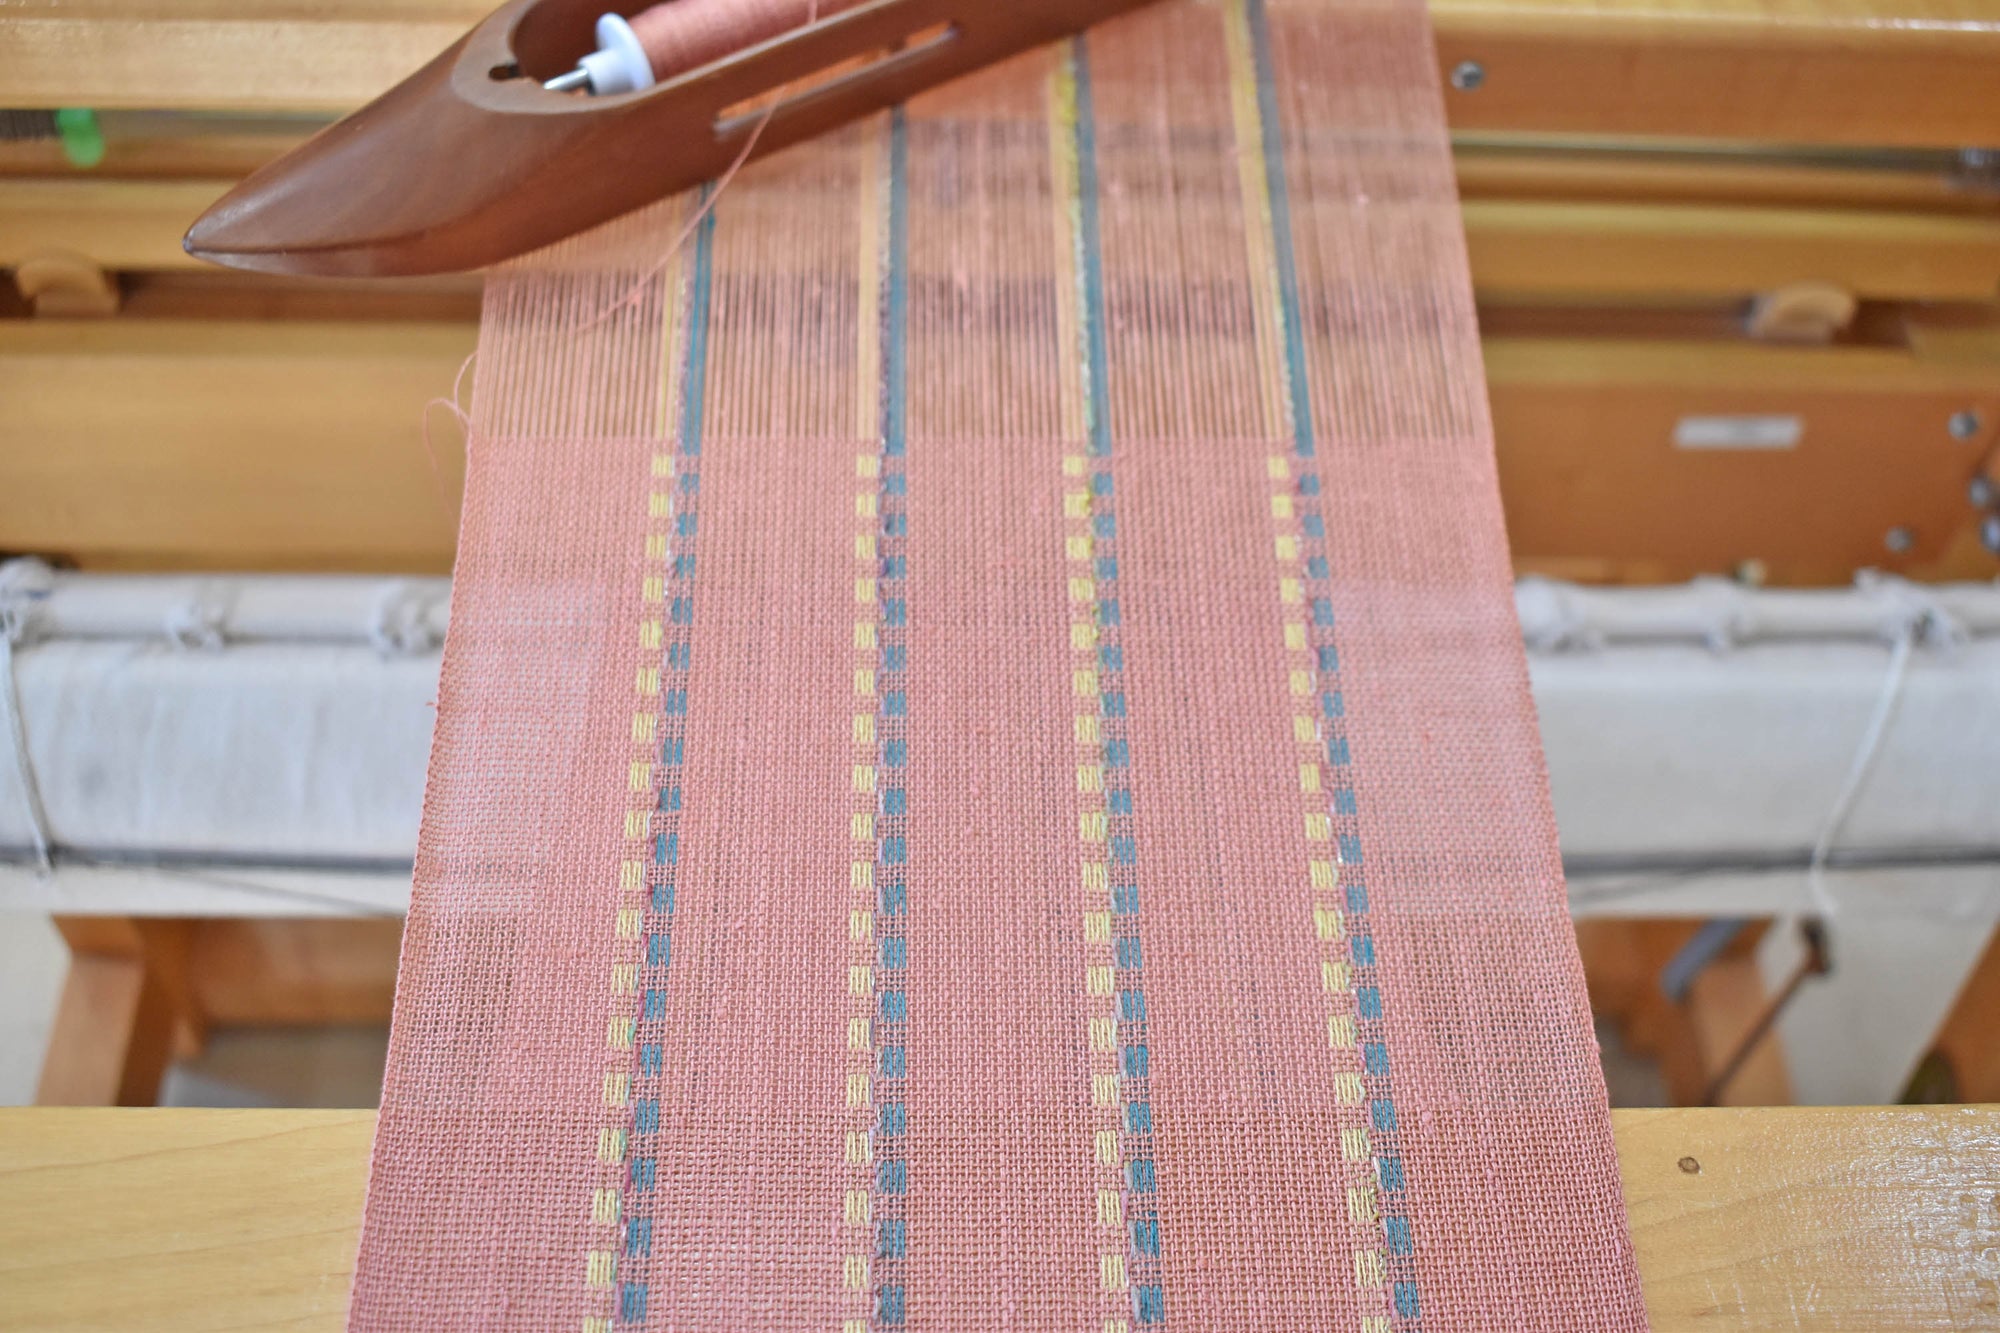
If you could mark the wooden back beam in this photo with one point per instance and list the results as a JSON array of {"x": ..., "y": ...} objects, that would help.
[
  {"x": 299, "y": 444},
  {"x": 1880, "y": 72},
  {"x": 1858, "y": 72}
]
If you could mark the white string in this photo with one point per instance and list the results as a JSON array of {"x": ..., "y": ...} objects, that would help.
[
  {"x": 201, "y": 623},
  {"x": 1857, "y": 772},
  {"x": 402, "y": 621},
  {"x": 13, "y": 626}
]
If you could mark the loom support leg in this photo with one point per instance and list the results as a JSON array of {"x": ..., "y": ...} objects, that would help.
[
  {"x": 126, "y": 1012},
  {"x": 1693, "y": 1038},
  {"x": 1964, "y": 1061}
]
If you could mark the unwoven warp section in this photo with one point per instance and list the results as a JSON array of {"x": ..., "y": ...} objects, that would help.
[{"x": 985, "y": 775}]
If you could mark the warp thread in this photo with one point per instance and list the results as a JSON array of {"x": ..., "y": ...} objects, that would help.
[{"x": 670, "y": 60}]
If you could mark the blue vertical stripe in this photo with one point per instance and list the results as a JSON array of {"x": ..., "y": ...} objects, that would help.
[
  {"x": 676, "y": 657},
  {"x": 892, "y": 824},
  {"x": 1310, "y": 499},
  {"x": 1142, "y": 1254},
  {"x": 1090, "y": 265},
  {"x": 1281, "y": 229},
  {"x": 694, "y": 393}
]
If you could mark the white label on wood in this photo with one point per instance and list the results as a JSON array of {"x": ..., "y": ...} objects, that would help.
[{"x": 1746, "y": 432}]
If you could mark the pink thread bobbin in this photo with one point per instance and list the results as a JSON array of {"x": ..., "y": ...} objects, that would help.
[{"x": 682, "y": 35}]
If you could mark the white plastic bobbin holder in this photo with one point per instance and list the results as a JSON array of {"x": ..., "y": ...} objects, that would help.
[{"x": 619, "y": 64}]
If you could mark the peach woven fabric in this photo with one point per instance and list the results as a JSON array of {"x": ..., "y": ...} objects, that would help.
[{"x": 985, "y": 776}]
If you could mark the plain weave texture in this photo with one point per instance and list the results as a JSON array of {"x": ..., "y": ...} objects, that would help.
[{"x": 985, "y": 776}]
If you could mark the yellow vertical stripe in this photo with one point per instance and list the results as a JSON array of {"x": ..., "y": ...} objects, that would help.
[
  {"x": 1299, "y": 677},
  {"x": 856, "y": 1198},
  {"x": 1258, "y": 251},
  {"x": 868, "y": 306},
  {"x": 1063, "y": 183},
  {"x": 1085, "y": 684},
  {"x": 673, "y": 333}
]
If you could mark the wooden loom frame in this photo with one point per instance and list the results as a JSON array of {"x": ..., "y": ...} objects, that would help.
[{"x": 1614, "y": 289}]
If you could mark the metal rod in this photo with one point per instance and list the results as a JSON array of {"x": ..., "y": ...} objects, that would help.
[{"x": 1816, "y": 963}]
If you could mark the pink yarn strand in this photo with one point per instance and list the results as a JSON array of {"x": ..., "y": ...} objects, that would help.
[{"x": 630, "y": 297}]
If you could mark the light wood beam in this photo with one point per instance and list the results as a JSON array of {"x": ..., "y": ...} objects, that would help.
[
  {"x": 1520, "y": 247},
  {"x": 1795, "y": 1219},
  {"x": 1613, "y": 251},
  {"x": 1872, "y": 72},
  {"x": 230, "y": 444},
  {"x": 1787, "y": 71},
  {"x": 298, "y": 444}
]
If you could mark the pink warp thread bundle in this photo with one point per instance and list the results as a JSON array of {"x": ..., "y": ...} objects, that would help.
[
  {"x": 682, "y": 35},
  {"x": 984, "y": 773}
]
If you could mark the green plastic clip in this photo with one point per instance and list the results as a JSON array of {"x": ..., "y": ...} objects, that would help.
[{"x": 82, "y": 137}]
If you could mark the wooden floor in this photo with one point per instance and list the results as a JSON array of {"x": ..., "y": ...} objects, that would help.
[{"x": 1798, "y": 1219}]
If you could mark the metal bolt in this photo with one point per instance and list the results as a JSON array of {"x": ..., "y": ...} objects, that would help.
[
  {"x": 1899, "y": 540},
  {"x": 1989, "y": 533},
  {"x": 1977, "y": 168},
  {"x": 1467, "y": 75},
  {"x": 1963, "y": 425},
  {"x": 1980, "y": 491}
]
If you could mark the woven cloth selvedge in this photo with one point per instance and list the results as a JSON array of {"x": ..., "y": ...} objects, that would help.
[{"x": 984, "y": 773}]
